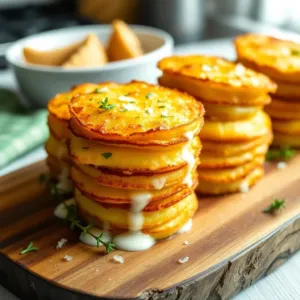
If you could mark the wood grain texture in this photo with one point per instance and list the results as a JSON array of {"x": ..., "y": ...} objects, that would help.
[{"x": 232, "y": 244}]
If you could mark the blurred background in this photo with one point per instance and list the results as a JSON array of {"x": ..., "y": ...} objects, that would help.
[{"x": 187, "y": 20}]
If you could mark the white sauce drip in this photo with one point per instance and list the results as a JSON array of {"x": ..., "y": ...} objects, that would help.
[
  {"x": 126, "y": 98},
  {"x": 104, "y": 89},
  {"x": 244, "y": 187},
  {"x": 135, "y": 240},
  {"x": 61, "y": 211},
  {"x": 188, "y": 157},
  {"x": 186, "y": 227},
  {"x": 89, "y": 240},
  {"x": 64, "y": 182},
  {"x": 131, "y": 107},
  {"x": 159, "y": 183}
]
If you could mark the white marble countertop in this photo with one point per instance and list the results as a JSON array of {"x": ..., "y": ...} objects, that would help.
[{"x": 283, "y": 284}]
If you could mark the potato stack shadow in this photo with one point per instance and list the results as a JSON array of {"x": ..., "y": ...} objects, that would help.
[
  {"x": 280, "y": 60},
  {"x": 237, "y": 132},
  {"x": 134, "y": 150},
  {"x": 58, "y": 159}
]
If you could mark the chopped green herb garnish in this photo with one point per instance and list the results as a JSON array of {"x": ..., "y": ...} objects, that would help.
[
  {"x": 276, "y": 205},
  {"x": 107, "y": 155},
  {"x": 162, "y": 106},
  {"x": 127, "y": 94},
  {"x": 284, "y": 153},
  {"x": 29, "y": 248},
  {"x": 147, "y": 111},
  {"x": 295, "y": 52},
  {"x": 149, "y": 95},
  {"x": 131, "y": 101},
  {"x": 160, "y": 101},
  {"x": 104, "y": 104},
  {"x": 76, "y": 223}
]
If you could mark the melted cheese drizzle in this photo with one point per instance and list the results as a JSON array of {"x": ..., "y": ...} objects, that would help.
[
  {"x": 61, "y": 211},
  {"x": 159, "y": 183},
  {"x": 186, "y": 227},
  {"x": 134, "y": 239},
  {"x": 64, "y": 182},
  {"x": 188, "y": 157}
]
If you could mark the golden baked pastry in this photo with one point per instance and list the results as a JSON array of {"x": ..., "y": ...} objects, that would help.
[
  {"x": 135, "y": 145},
  {"x": 123, "y": 42},
  {"x": 91, "y": 53},
  {"x": 284, "y": 110},
  {"x": 240, "y": 185},
  {"x": 279, "y": 59},
  {"x": 237, "y": 133},
  {"x": 216, "y": 80}
]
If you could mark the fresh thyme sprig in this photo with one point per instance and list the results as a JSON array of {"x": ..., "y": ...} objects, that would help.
[
  {"x": 29, "y": 248},
  {"x": 284, "y": 153},
  {"x": 104, "y": 104},
  {"x": 75, "y": 222},
  {"x": 276, "y": 205}
]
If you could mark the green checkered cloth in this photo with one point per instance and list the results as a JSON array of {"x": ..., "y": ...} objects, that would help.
[{"x": 20, "y": 130}]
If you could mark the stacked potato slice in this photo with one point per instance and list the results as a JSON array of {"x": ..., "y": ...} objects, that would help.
[
  {"x": 58, "y": 118},
  {"x": 280, "y": 60},
  {"x": 236, "y": 133},
  {"x": 134, "y": 149}
]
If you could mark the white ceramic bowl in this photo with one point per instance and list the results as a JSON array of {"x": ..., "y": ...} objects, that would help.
[{"x": 40, "y": 83}]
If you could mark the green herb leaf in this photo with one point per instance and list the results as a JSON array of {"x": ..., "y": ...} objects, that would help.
[
  {"x": 276, "y": 205},
  {"x": 162, "y": 106},
  {"x": 107, "y": 155},
  {"x": 132, "y": 102},
  {"x": 76, "y": 223},
  {"x": 295, "y": 52},
  {"x": 29, "y": 248},
  {"x": 284, "y": 153},
  {"x": 104, "y": 104},
  {"x": 98, "y": 91},
  {"x": 126, "y": 95},
  {"x": 149, "y": 95}
]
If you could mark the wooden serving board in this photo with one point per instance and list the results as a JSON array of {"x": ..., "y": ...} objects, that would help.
[{"x": 232, "y": 245}]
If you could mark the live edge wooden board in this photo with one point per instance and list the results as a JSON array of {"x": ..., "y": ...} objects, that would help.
[{"x": 232, "y": 245}]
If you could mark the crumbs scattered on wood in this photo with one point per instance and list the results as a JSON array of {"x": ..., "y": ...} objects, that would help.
[{"x": 61, "y": 243}]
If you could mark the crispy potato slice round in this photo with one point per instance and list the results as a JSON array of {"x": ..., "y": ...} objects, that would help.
[
  {"x": 284, "y": 110},
  {"x": 223, "y": 112},
  {"x": 119, "y": 217},
  {"x": 288, "y": 91},
  {"x": 129, "y": 159},
  {"x": 287, "y": 127},
  {"x": 279, "y": 59},
  {"x": 227, "y": 175},
  {"x": 258, "y": 125},
  {"x": 211, "y": 160},
  {"x": 57, "y": 148},
  {"x": 235, "y": 148},
  {"x": 213, "y": 188},
  {"x": 104, "y": 194},
  {"x": 123, "y": 42},
  {"x": 162, "y": 231},
  {"x": 283, "y": 140},
  {"x": 138, "y": 181},
  {"x": 215, "y": 79},
  {"x": 131, "y": 112}
]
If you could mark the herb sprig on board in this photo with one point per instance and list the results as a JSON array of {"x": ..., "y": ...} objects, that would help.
[
  {"x": 275, "y": 206},
  {"x": 284, "y": 153},
  {"x": 74, "y": 222},
  {"x": 29, "y": 248},
  {"x": 52, "y": 186}
]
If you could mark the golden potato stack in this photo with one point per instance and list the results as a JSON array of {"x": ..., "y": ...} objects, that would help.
[
  {"x": 134, "y": 150},
  {"x": 237, "y": 132},
  {"x": 280, "y": 60},
  {"x": 58, "y": 158}
]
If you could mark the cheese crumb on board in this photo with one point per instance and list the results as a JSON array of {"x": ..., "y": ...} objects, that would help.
[
  {"x": 61, "y": 243},
  {"x": 119, "y": 259},
  {"x": 68, "y": 258},
  {"x": 183, "y": 260},
  {"x": 281, "y": 165}
]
